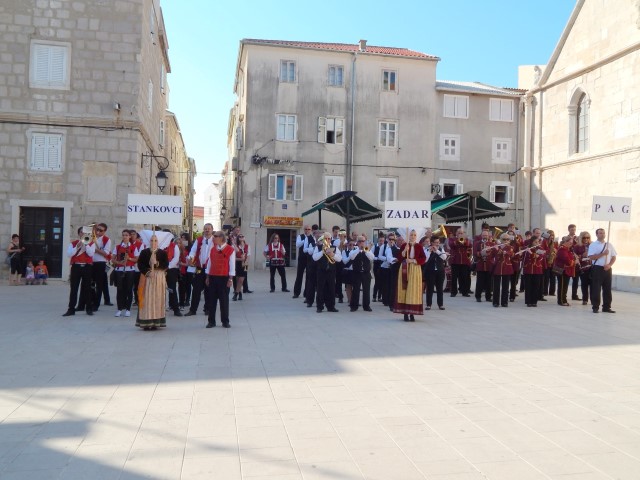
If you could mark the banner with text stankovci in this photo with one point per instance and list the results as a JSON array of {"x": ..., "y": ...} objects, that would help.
[
  {"x": 407, "y": 214},
  {"x": 154, "y": 209}
]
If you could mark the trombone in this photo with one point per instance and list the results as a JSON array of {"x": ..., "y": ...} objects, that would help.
[{"x": 325, "y": 248}]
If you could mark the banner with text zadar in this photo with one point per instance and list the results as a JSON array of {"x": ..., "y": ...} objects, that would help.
[
  {"x": 407, "y": 214},
  {"x": 154, "y": 209}
]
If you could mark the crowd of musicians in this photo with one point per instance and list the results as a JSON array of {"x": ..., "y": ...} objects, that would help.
[{"x": 402, "y": 274}]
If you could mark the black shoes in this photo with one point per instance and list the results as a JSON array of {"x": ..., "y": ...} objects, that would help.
[
  {"x": 272, "y": 290},
  {"x": 353, "y": 309},
  {"x": 235, "y": 297},
  {"x": 189, "y": 313},
  {"x": 69, "y": 313},
  {"x": 340, "y": 300},
  {"x": 309, "y": 305},
  {"x": 295, "y": 296},
  {"x": 240, "y": 296},
  {"x": 248, "y": 291},
  {"x": 109, "y": 304},
  {"x": 367, "y": 309},
  {"x": 177, "y": 312},
  {"x": 211, "y": 324},
  {"x": 412, "y": 318},
  {"x": 286, "y": 290},
  {"x": 479, "y": 300},
  {"x": 609, "y": 311},
  {"x": 90, "y": 311},
  {"x": 575, "y": 297},
  {"x": 318, "y": 310},
  {"x": 333, "y": 310},
  {"x": 406, "y": 317},
  {"x": 226, "y": 325}
]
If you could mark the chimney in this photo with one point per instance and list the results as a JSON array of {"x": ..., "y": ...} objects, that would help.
[{"x": 363, "y": 45}]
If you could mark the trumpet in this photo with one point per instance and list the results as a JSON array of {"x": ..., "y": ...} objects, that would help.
[
  {"x": 88, "y": 234},
  {"x": 326, "y": 245}
]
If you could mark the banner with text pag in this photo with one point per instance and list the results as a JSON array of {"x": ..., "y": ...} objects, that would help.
[
  {"x": 154, "y": 209},
  {"x": 611, "y": 209},
  {"x": 407, "y": 214}
]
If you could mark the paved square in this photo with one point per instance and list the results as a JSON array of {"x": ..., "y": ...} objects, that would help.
[{"x": 473, "y": 392}]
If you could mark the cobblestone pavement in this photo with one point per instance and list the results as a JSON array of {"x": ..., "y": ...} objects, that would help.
[{"x": 470, "y": 393}]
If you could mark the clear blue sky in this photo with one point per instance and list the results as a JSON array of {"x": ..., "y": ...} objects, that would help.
[{"x": 477, "y": 40}]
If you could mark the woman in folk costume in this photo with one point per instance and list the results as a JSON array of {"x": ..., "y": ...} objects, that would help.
[
  {"x": 153, "y": 263},
  {"x": 409, "y": 292}
]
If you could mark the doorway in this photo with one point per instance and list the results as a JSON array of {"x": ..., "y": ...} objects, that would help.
[
  {"x": 287, "y": 238},
  {"x": 41, "y": 232}
]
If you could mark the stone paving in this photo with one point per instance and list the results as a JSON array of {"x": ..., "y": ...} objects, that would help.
[{"x": 470, "y": 393}]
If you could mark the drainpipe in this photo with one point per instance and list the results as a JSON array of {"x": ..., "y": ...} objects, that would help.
[{"x": 350, "y": 156}]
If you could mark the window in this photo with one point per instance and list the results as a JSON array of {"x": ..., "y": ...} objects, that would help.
[
  {"x": 449, "y": 187},
  {"x": 287, "y": 71},
  {"x": 163, "y": 74},
  {"x": 285, "y": 187},
  {"x": 287, "y": 127},
  {"x": 386, "y": 190},
  {"x": 49, "y": 65},
  {"x": 500, "y": 110},
  {"x": 332, "y": 184},
  {"x": 456, "y": 106},
  {"x": 150, "y": 95},
  {"x": 46, "y": 152},
  {"x": 501, "y": 193},
  {"x": 388, "y": 134},
  {"x": 336, "y": 75},
  {"x": 389, "y": 81},
  {"x": 449, "y": 147},
  {"x": 331, "y": 130},
  {"x": 239, "y": 137},
  {"x": 161, "y": 140},
  {"x": 582, "y": 131},
  {"x": 501, "y": 150}
]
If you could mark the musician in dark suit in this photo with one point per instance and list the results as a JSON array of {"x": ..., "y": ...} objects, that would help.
[
  {"x": 302, "y": 260},
  {"x": 325, "y": 256},
  {"x": 434, "y": 272},
  {"x": 362, "y": 258}
]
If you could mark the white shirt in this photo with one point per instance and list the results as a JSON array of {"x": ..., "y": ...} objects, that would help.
[
  {"x": 88, "y": 249},
  {"x": 300, "y": 242},
  {"x": 356, "y": 251},
  {"x": 125, "y": 268},
  {"x": 597, "y": 247},
  {"x": 176, "y": 257},
  {"x": 318, "y": 253},
  {"x": 387, "y": 257},
  {"x": 309, "y": 248},
  {"x": 207, "y": 243},
  {"x": 102, "y": 246}
]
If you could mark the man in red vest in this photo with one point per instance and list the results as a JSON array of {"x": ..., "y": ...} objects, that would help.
[
  {"x": 221, "y": 268},
  {"x": 81, "y": 255},
  {"x": 200, "y": 256}
]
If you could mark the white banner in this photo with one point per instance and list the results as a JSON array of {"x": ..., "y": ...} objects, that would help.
[
  {"x": 154, "y": 209},
  {"x": 611, "y": 209},
  {"x": 407, "y": 214}
]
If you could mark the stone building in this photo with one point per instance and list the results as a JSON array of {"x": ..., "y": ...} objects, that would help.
[
  {"x": 582, "y": 129},
  {"x": 313, "y": 119},
  {"x": 83, "y": 118}
]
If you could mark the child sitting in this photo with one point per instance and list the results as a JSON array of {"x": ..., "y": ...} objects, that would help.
[
  {"x": 29, "y": 277},
  {"x": 41, "y": 273}
]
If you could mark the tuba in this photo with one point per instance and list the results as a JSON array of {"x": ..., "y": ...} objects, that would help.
[
  {"x": 441, "y": 231},
  {"x": 497, "y": 232}
]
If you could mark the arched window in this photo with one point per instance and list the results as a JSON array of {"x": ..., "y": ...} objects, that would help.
[{"x": 582, "y": 125}]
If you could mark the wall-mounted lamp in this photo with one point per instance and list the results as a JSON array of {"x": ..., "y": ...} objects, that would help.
[
  {"x": 161, "y": 180},
  {"x": 116, "y": 106}
]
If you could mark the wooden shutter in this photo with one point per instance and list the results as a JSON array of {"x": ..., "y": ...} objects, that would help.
[
  {"x": 38, "y": 151},
  {"x": 322, "y": 130},
  {"x": 449, "y": 106},
  {"x": 492, "y": 193},
  {"x": 339, "y": 136},
  {"x": 161, "y": 133},
  {"x": 459, "y": 188},
  {"x": 54, "y": 152},
  {"x": 494, "y": 109},
  {"x": 511, "y": 194},
  {"x": 297, "y": 188},
  {"x": 272, "y": 186}
]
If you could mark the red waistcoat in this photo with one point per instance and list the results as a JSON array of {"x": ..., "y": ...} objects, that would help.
[
  {"x": 220, "y": 260},
  {"x": 121, "y": 250},
  {"x": 275, "y": 252},
  {"x": 81, "y": 257}
]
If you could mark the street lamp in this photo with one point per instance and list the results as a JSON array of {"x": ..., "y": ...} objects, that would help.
[{"x": 161, "y": 180}]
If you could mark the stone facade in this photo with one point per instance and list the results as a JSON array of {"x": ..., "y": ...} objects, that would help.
[
  {"x": 82, "y": 98},
  {"x": 594, "y": 69}
]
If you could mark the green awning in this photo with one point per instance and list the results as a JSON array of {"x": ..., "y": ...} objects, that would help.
[
  {"x": 348, "y": 205},
  {"x": 457, "y": 208}
]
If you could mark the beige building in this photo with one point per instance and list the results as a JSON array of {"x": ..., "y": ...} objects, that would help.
[
  {"x": 582, "y": 129},
  {"x": 83, "y": 121},
  {"x": 313, "y": 119}
]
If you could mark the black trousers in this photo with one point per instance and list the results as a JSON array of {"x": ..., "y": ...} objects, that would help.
[
  {"x": 575, "y": 284},
  {"x": 549, "y": 287},
  {"x": 302, "y": 266},
  {"x": 173, "y": 274},
  {"x": 184, "y": 288},
  {"x": 532, "y": 288},
  {"x": 245, "y": 284},
  {"x": 460, "y": 278},
  {"x": 385, "y": 275},
  {"x": 483, "y": 284},
  {"x": 125, "y": 290},
  {"x": 81, "y": 278},
  {"x": 501, "y": 290},
  {"x": 100, "y": 280},
  {"x": 585, "y": 283},
  {"x": 310, "y": 282},
  {"x": 338, "y": 288},
  {"x": 513, "y": 284},
  {"x": 361, "y": 280},
  {"x": 435, "y": 282},
  {"x": 563, "y": 287},
  {"x": 199, "y": 287},
  {"x": 377, "y": 281},
  {"x": 325, "y": 286},
  {"x": 392, "y": 284},
  {"x": 136, "y": 282},
  {"x": 272, "y": 277},
  {"x": 601, "y": 287},
  {"x": 218, "y": 292}
]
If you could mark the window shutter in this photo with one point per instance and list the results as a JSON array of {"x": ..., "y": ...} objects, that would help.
[
  {"x": 494, "y": 109},
  {"x": 339, "y": 131},
  {"x": 459, "y": 188},
  {"x": 161, "y": 133},
  {"x": 297, "y": 188},
  {"x": 239, "y": 137},
  {"x": 338, "y": 184},
  {"x": 41, "y": 74},
  {"x": 150, "y": 95},
  {"x": 272, "y": 186},
  {"x": 54, "y": 151},
  {"x": 162, "y": 77},
  {"x": 449, "y": 106},
  {"x": 38, "y": 154},
  {"x": 463, "y": 107},
  {"x": 511, "y": 194},
  {"x": 328, "y": 187},
  {"x": 57, "y": 65},
  {"x": 322, "y": 130},
  {"x": 492, "y": 193}
]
